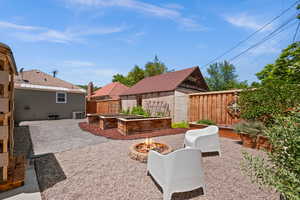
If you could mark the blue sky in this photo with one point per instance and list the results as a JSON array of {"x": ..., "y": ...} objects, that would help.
[{"x": 90, "y": 40}]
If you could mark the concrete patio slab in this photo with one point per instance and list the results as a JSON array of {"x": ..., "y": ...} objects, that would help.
[{"x": 59, "y": 135}]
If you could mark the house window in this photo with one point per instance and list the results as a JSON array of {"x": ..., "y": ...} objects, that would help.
[{"x": 61, "y": 97}]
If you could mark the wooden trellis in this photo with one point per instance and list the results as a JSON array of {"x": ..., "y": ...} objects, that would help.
[{"x": 157, "y": 108}]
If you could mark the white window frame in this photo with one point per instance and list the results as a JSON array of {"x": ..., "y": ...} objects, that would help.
[{"x": 61, "y": 93}]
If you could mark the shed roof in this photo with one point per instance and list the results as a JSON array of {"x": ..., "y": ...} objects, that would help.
[
  {"x": 163, "y": 82},
  {"x": 36, "y": 79},
  {"x": 113, "y": 90}
]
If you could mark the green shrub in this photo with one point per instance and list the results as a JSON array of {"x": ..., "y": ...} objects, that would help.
[
  {"x": 180, "y": 125},
  {"x": 138, "y": 110},
  {"x": 253, "y": 128},
  {"x": 268, "y": 101},
  {"x": 206, "y": 122},
  {"x": 280, "y": 169}
]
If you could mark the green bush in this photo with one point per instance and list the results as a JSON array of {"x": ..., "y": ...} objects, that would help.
[
  {"x": 280, "y": 170},
  {"x": 268, "y": 101},
  {"x": 206, "y": 121},
  {"x": 138, "y": 110},
  {"x": 253, "y": 128},
  {"x": 180, "y": 125}
]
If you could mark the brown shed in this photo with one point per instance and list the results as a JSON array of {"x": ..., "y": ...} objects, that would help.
[{"x": 166, "y": 94}]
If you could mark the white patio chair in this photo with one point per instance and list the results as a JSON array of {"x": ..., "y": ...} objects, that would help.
[
  {"x": 179, "y": 171},
  {"x": 206, "y": 139}
]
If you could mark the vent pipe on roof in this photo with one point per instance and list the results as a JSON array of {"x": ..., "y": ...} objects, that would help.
[
  {"x": 21, "y": 72},
  {"x": 54, "y": 73}
]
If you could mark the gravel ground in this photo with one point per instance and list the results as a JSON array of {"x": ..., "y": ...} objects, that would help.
[
  {"x": 51, "y": 136},
  {"x": 106, "y": 172}
]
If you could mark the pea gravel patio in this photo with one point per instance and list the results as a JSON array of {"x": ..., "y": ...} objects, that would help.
[{"x": 104, "y": 171}]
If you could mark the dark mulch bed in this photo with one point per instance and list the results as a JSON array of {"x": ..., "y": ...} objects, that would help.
[{"x": 115, "y": 134}]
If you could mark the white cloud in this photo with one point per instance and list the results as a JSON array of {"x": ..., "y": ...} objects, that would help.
[
  {"x": 35, "y": 34},
  {"x": 174, "y": 6},
  {"x": 78, "y": 63},
  {"x": 9, "y": 25},
  {"x": 247, "y": 21},
  {"x": 145, "y": 8}
]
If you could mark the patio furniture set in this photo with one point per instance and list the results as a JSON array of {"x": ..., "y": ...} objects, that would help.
[{"x": 181, "y": 170}]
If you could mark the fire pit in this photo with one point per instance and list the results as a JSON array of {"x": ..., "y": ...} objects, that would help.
[{"x": 140, "y": 151}]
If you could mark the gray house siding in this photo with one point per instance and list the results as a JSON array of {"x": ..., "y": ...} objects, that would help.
[{"x": 36, "y": 105}]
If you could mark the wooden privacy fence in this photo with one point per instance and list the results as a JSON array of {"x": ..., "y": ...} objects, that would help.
[
  {"x": 220, "y": 107},
  {"x": 104, "y": 107}
]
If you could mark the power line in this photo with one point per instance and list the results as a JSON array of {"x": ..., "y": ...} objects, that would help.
[
  {"x": 297, "y": 30},
  {"x": 251, "y": 35},
  {"x": 269, "y": 36}
]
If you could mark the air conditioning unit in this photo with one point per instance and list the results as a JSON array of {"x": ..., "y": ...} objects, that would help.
[{"x": 78, "y": 115}]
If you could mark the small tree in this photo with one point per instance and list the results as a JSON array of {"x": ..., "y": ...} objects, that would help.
[
  {"x": 281, "y": 168},
  {"x": 286, "y": 68},
  {"x": 155, "y": 67},
  {"x": 222, "y": 76}
]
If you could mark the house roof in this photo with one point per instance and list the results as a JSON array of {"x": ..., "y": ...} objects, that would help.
[
  {"x": 38, "y": 80},
  {"x": 163, "y": 82},
  {"x": 113, "y": 90}
]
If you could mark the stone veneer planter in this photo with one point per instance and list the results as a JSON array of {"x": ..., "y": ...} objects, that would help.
[
  {"x": 93, "y": 118},
  {"x": 226, "y": 132},
  {"x": 136, "y": 126},
  {"x": 111, "y": 121}
]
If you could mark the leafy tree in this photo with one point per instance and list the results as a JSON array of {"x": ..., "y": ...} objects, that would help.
[
  {"x": 121, "y": 79},
  {"x": 222, "y": 76},
  {"x": 137, "y": 73},
  {"x": 155, "y": 67},
  {"x": 286, "y": 67}
]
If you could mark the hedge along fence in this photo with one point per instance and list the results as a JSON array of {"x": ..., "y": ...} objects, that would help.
[
  {"x": 103, "y": 107},
  {"x": 219, "y": 106}
]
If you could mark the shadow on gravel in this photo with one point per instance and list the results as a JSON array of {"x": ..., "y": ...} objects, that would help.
[
  {"x": 48, "y": 171},
  {"x": 180, "y": 195}
]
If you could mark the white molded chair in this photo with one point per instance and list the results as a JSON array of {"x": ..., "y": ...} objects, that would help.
[
  {"x": 206, "y": 139},
  {"x": 179, "y": 171}
]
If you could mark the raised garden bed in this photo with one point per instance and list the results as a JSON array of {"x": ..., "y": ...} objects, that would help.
[
  {"x": 111, "y": 121},
  {"x": 93, "y": 118},
  {"x": 132, "y": 126},
  {"x": 115, "y": 134},
  {"x": 224, "y": 131}
]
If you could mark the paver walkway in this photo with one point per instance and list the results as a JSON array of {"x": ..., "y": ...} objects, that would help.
[{"x": 59, "y": 135}]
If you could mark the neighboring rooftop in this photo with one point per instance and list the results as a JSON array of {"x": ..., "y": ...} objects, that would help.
[
  {"x": 164, "y": 82},
  {"x": 112, "y": 90},
  {"x": 36, "y": 79}
]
